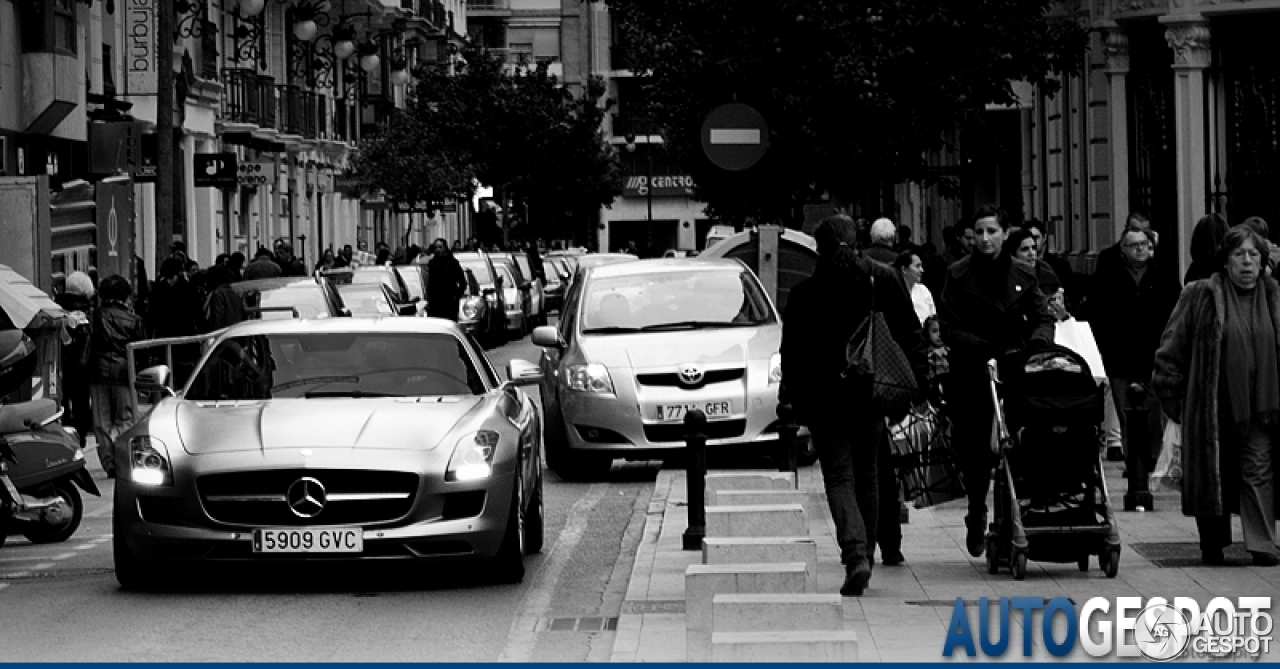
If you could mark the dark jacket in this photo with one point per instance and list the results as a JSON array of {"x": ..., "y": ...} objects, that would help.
[
  {"x": 822, "y": 313},
  {"x": 223, "y": 308},
  {"x": 1127, "y": 317},
  {"x": 446, "y": 283},
  {"x": 261, "y": 268},
  {"x": 882, "y": 253},
  {"x": 75, "y": 354},
  {"x": 1187, "y": 368},
  {"x": 1066, "y": 279},
  {"x": 989, "y": 307},
  {"x": 174, "y": 311},
  {"x": 292, "y": 267},
  {"x": 1199, "y": 270},
  {"x": 114, "y": 328}
]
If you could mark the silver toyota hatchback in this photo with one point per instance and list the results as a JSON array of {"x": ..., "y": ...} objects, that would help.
[{"x": 642, "y": 343}]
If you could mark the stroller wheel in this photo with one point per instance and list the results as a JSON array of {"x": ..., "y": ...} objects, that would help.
[
  {"x": 1110, "y": 562},
  {"x": 1019, "y": 565},
  {"x": 993, "y": 556},
  {"x": 1083, "y": 562}
]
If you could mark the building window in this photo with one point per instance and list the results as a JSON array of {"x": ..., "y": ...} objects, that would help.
[{"x": 49, "y": 26}]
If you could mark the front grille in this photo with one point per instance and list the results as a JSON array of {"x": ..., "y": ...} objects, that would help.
[
  {"x": 258, "y": 498},
  {"x": 158, "y": 510},
  {"x": 717, "y": 429},
  {"x": 673, "y": 379}
]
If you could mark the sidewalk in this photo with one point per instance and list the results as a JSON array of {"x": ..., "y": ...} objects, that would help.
[{"x": 904, "y": 614}]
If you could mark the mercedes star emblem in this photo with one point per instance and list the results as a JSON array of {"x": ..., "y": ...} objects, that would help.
[
  {"x": 306, "y": 497},
  {"x": 690, "y": 375}
]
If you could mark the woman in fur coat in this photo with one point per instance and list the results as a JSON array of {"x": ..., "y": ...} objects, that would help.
[{"x": 1217, "y": 372}]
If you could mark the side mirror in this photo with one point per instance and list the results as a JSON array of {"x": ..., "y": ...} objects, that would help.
[
  {"x": 152, "y": 380},
  {"x": 547, "y": 336},
  {"x": 407, "y": 309},
  {"x": 523, "y": 373}
]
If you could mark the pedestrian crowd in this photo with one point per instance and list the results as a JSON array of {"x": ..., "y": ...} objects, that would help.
[{"x": 1205, "y": 356}]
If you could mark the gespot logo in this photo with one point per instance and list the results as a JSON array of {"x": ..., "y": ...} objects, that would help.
[{"x": 1155, "y": 629}]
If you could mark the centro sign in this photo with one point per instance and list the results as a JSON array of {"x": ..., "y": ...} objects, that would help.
[
  {"x": 140, "y": 47},
  {"x": 664, "y": 185}
]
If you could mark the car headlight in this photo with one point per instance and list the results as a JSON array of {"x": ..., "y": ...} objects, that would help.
[
  {"x": 149, "y": 460},
  {"x": 470, "y": 307},
  {"x": 591, "y": 378},
  {"x": 775, "y": 369},
  {"x": 472, "y": 458}
]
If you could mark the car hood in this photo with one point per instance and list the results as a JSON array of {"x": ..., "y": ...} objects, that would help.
[
  {"x": 393, "y": 423},
  {"x": 713, "y": 346}
]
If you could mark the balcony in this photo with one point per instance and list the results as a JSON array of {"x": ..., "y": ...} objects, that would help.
[
  {"x": 300, "y": 113},
  {"x": 346, "y": 121},
  {"x": 631, "y": 124},
  {"x": 249, "y": 98},
  {"x": 480, "y": 8}
]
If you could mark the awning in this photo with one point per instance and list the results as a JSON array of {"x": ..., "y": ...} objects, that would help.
[{"x": 23, "y": 306}]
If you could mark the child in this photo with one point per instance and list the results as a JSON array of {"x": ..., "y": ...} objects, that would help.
[{"x": 938, "y": 365}]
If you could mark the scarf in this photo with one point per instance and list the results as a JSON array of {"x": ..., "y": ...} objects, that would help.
[{"x": 1250, "y": 370}]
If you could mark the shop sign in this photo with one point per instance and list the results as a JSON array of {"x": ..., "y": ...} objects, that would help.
[
  {"x": 115, "y": 209},
  {"x": 418, "y": 207},
  {"x": 141, "y": 47},
  {"x": 215, "y": 170},
  {"x": 255, "y": 174},
  {"x": 664, "y": 185}
]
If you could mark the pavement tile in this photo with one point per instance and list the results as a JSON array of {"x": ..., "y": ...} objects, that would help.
[{"x": 904, "y": 614}]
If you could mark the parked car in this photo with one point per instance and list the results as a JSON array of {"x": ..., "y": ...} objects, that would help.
[
  {"x": 641, "y": 343},
  {"x": 377, "y": 274},
  {"x": 516, "y": 301},
  {"x": 473, "y": 310},
  {"x": 415, "y": 279},
  {"x": 373, "y": 299},
  {"x": 537, "y": 288},
  {"x": 598, "y": 259},
  {"x": 526, "y": 289},
  {"x": 290, "y": 297},
  {"x": 557, "y": 281},
  {"x": 494, "y": 331},
  {"x": 304, "y": 440}
]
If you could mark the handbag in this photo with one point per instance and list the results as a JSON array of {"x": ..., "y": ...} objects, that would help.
[{"x": 872, "y": 353}]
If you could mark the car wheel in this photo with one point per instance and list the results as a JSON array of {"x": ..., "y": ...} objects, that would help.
[
  {"x": 50, "y": 533},
  {"x": 509, "y": 563},
  {"x": 534, "y": 524},
  {"x": 132, "y": 572}
]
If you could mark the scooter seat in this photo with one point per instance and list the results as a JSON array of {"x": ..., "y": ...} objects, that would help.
[{"x": 19, "y": 416}]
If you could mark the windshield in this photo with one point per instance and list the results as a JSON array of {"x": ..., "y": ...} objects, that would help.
[
  {"x": 365, "y": 300},
  {"x": 674, "y": 300},
  {"x": 413, "y": 278},
  {"x": 336, "y": 364},
  {"x": 480, "y": 268},
  {"x": 308, "y": 301},
  {"x": 525, "y": 268},
  {"x": 552, "y": 271}
]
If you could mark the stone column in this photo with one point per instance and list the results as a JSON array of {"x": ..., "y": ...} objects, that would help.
[
  {"x": 1117, "y": 70},
  {"x": 1188, "y": 37}
]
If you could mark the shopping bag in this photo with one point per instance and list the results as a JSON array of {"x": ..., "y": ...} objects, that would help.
[
  {"x": 873, "y": 354},
  {"x": 1078, "y": 337},
  {"x": 922, "y": 458},
  {"x": 1168, "y": 472}
]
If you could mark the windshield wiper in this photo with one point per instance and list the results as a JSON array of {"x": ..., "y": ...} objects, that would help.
[
  {"x": 696, "y": 325},
  {"x": 358, "y": 394},
  {"x": 314, "y": 379},
  {"x": 611, "y": 329}
]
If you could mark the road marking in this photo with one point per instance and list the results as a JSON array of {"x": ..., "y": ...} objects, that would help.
[
  {"x": 735, "y": 135},
  {"x": 33, "y": 558},
  {"x": 16, "y": 574},
  {"x": 43, "y": 565},
  {"x": 3, "y": 586},
  {"x": 536, "y": 602}
]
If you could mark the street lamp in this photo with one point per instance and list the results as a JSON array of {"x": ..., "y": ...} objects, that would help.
[{"x": 648, "y": 182}]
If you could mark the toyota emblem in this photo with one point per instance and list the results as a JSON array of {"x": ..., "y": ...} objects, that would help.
[
  {"x": 691, "y": 375},
  {"x": 306, "y": 497}
]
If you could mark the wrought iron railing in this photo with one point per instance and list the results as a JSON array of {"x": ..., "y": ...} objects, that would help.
[
  {"x": 249, "y": 98},
  {"x": 345, "y": 121},
  {"x": 298, "y": 111}
]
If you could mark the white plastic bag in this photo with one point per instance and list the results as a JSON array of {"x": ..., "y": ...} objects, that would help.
[
  {"x": 1078, "y": 336},
  {"x": 1168, "y": 471}
]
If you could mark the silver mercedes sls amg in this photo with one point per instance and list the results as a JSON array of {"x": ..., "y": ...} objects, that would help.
[{"x": 338, "y": 439}]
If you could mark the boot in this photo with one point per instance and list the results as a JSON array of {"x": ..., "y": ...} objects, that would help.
[
  {"x": 856, "y": 578},
  {"x": 976, "y": 537}
]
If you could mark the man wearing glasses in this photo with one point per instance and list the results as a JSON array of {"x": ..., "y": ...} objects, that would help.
[{"x": 1130, "y": 302}]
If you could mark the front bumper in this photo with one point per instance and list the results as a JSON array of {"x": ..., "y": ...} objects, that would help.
[{"x": 446, "y": 520}]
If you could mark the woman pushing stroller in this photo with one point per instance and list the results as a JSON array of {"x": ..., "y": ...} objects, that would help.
[{"x": 989, "y": 305}]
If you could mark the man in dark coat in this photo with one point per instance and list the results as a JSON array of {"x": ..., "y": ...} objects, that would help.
[
  {"x": 115, "y": 326},
  {"x": 224, "y": 307},
  {"x": 263, "y": 266},
  {"x": 822, "y": 313},
  {"x": 1128, "y": 308},
  {"x": 883, "y": 236},
  {"x": 289, "y": 264},
  {"x": 446, "y": 282}
]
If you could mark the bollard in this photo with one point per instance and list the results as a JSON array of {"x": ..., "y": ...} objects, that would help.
[
  {"x": 788, "y": 441},
  {"x": 1137, "y": 439},
  {"x": 695, "y": 441}
]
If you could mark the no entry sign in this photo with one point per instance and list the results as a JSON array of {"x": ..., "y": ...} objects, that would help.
[{"x": 734, "y": 137}]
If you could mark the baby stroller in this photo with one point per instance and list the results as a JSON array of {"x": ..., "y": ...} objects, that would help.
[{"x": 1051, "y": 498}]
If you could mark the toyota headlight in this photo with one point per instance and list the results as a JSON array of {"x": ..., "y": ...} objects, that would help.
[
  {"x": 775, "y": 369},
  {"x": 590, "y": 378},
  {"x": 470, "y": 308},
  {"x": 472, "y": 458},
  {"x": 149, "y": 460}
]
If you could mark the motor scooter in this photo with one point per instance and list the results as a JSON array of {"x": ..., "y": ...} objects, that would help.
[{"x": 41, "y": 464}]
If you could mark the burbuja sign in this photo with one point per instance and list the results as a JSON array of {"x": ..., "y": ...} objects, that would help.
[{"x": 140, "y": 46}]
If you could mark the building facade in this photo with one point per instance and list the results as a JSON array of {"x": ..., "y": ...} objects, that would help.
[{"x": 286, "y": 88}]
